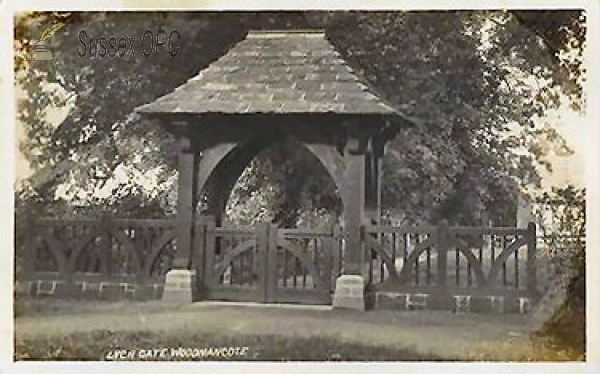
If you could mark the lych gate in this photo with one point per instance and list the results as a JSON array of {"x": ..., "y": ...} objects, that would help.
[
  {"x": 274, "y": 87},
  {"x": 271, "y": 87}
]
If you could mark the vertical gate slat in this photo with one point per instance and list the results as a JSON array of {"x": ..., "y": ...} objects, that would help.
[
  {"x": 372, "y": 256},
  {"x": 198, "y": 250},
  {"x": 517, "y": 268},
  {"x": 295, "y": 272},
  {"x": 417, "y": 242},
  {"x": 327, "y": 252},
  {"x": 336, "y": 255},
  {"x": 105, "y": 253},
  {"x": 428, "y": 278},
  {"x": 457, "y": 266},
  {"x": 406, "y": 243},
  {"x": 481, "y": 254},
  {"x": 285, "y": 268},
  {"x": 30, "y": 247},
  {"x": 493, "y": 248},
  {"x": 209, "y": 265},
  {"x": 305, "y": 250},
  {"x": 504, "y": 280},
  {"x": 269, "y": 235},
  {"x": 441, "y": 243},
  {"x": 531, "y": 259},
  {"x": 394, "y": 238},
  {"x": 469, "y": 274},
  {"x": 469, "y": 270}
]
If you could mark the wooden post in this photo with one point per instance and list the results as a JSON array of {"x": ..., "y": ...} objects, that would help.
[
  {"x": 373, "y": 168},
  {"x": 262, "y": 242},
  {"x": 30, "y": 248},
  {"x": 209, "y": 253},
  {"x": 271, "y": 277},
  {"x": 531, "y": 259},
  {"x": 378, "y": 181},
  {"x": 327, "y": 255},
  {"x": 336, "y": 250},
  {"x": 354, "y": 212},
  {"x": 199, "y": 253},
  {"x": 350, "y": 286},
  {"x": 181, "y": 281},
  {"x": 442, "y": 236},
  {"x": 28, "y": 254},
  {"x": 185, "y": 208}
]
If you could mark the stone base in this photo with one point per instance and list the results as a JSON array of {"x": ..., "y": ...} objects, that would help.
[
  {"x": 349, "y": 293},
  {"x": 179, "y": 286}
]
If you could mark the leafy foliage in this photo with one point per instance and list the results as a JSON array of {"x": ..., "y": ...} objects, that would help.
[
  {"x": 562, "y": 220},
  {"x": 564, "y": 34},
  {"x": 467, "y": 77},
  {"x": 563, "y": 228}
]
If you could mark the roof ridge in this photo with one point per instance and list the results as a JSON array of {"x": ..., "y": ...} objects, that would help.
[{"x": 284, "y": 33}]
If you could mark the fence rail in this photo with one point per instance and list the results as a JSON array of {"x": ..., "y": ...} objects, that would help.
[
  {"x": 81, "y": 256},
  {"x": 442, "y": 259},
  {"x": 132, "y": 256}
]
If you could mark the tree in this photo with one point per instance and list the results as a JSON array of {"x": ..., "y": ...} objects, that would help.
[
  {"x": 564, "y": 34},
  {"x": 466, "y": 76},
  {"x": 563, "y": 227}
]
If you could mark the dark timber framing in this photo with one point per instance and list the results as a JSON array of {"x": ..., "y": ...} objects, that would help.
[{"x": 273, "y": 87}]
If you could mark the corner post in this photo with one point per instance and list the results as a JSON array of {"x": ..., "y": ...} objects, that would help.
[
  {"x": 442, "y": 244},
  {"x": 185, "y": 205},
  {"x": 531, "y": 260},
  {"x": 29, "y": 253},
  {"x": 354, "y": 210},
  {"x": 350, "y": 286},
  {"x": 373, "y": 179},
  {"x": 442, "y": 238},
  {"x": 180, "y": 282}
]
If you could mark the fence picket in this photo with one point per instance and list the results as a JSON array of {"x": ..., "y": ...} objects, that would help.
[{"x": 143, "y": 250}]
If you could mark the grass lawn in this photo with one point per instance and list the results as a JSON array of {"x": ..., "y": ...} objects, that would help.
[
  {"x": 77, "y": 330},
  {"x": 140, "y": 345}
]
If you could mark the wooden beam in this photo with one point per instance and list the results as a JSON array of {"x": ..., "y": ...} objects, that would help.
[
  {"x": 354, "y": 205},
  {"x": 185, "y": 207}
]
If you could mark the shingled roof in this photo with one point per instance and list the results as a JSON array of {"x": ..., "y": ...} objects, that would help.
[{"x": 274, "y": 72}]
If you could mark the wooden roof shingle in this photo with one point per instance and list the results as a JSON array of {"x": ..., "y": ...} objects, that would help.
[{"x": 274, "y": 72}]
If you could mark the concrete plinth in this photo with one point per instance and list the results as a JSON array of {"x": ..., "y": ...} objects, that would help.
[
  {"x": 349, "y": 293},
  {"x": 179, "y": 286}
]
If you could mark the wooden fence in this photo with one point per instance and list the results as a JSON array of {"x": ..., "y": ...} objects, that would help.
[
  {"x": 130, "y": 257},
  {"x": 98, "y": 257},
  {"x": 447, "y": 262}
]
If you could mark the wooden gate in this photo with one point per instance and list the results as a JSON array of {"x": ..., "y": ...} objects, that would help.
[{"x": 267, "y": 264}]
